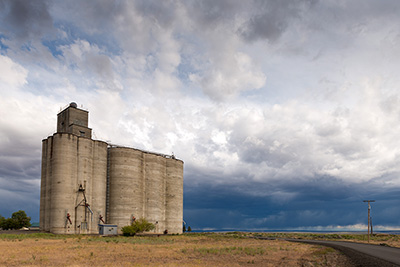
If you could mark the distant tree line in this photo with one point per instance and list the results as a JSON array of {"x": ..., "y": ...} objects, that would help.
[
  {"x": 18, "y": 220},
  {"x": 189, "y": 229}
]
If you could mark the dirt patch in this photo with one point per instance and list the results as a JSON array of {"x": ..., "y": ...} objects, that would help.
[
  {"x": 20, "y": 232},
  {"x": 183, "y": 250}
]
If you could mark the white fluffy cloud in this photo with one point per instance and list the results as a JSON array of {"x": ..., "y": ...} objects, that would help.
[
  {"x": 227, "y": 79},
  {"x": 11, "y": 74}
]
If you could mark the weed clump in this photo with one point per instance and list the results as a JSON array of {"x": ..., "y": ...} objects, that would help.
[{"x": 138, "y": 226}]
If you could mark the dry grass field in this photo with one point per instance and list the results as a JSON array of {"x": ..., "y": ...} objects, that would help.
[{"x": 230, "y": 249}]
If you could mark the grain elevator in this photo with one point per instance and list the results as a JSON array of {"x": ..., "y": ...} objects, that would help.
[{"x": 86, "y": 182}]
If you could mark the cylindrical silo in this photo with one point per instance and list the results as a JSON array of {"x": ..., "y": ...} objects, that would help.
[
  {"x": 174, "y": 196},
  {"x": 43, "y": 185},
  {"x": 155, "y": 172},
  {"x": 83, "y": 216},
  {"x": 125, "y": 185},
  {"x": 47, "y": 197},
  {"x": 98, "y": 184},
  {"x": 64, "y": 170}
]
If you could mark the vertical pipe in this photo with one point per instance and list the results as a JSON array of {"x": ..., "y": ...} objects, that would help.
[
  {"x": 107, "y": 217},
  {"x": 43, "y": 185},
  {"x": 144, "y": 188},
  {"x": 49, "y": 174},
  {"x": 99, "y": 183}
]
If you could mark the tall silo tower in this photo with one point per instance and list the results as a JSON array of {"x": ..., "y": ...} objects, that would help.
[{"x": 74, "y": 176}]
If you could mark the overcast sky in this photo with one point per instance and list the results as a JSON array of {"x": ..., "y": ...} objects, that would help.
[{"x": 285, "y": 112}]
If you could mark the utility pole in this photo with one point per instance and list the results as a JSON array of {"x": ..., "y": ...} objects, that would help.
[{"x": 369, "y": 212}]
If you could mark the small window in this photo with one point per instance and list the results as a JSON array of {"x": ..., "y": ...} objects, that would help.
[{"x": 82, "y": 133}]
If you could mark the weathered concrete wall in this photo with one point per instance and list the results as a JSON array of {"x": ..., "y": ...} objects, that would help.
[
  {"x": 98, "y": 183},
  {"x": 48, "y": 173},
  {"x": 155, "y": 172},
  {"x": 174, "y": 196},
  {"x": 138, "y": 184},
  {"x": 63, "y": 179},
  {"x": 43, "y": 185},
  {"x": 126, "y": 185},
  {"x": 71, "y": 161}
]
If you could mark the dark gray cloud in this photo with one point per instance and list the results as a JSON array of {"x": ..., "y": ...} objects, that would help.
[
  {"x": 317, "y": 202},
  {"x": 27, "y": 20},
  {"x": 210, "y": 14},
  {"x": 20, "y": 169},
  {"x": 163, "y": 13},
  {"x": 14, "y": 199},
  {"x": 271, "y": 18}
]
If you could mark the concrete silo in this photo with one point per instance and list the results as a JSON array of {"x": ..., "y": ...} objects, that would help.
[
  {"x": 155, "y": 173},
  {"x": 99, "y": 184},
  {"x": 45, "y": 186},
  {"x": 73, "y": 181},
  {"x": 85, "y": 182},
  {"x": 174, "y": 196},
  {"x": 63, "y": 177},
  {"x": 89, "y": 188},
  {"x": 125, "y": 185}
]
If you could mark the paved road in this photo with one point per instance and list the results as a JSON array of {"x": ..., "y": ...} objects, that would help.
[{"x": 361, "y": 254}]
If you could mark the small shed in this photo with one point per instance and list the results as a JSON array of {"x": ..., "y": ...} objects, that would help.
[{"x": 108, "y": 229}]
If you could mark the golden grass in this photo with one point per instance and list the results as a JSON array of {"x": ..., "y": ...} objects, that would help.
[{"x": 182, "y": 250}]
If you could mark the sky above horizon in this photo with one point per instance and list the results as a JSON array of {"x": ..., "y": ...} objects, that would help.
[{"x": 286, "y": 113}]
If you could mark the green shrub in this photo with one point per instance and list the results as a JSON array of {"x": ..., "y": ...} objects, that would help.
[
  {"x": 2, "y": 220},
  {"x": 21, "y": 219},
  {"x": 138, "y": 226},
  {"x": 17, "y": 221},
  {"x": 8, "y": 224}
]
